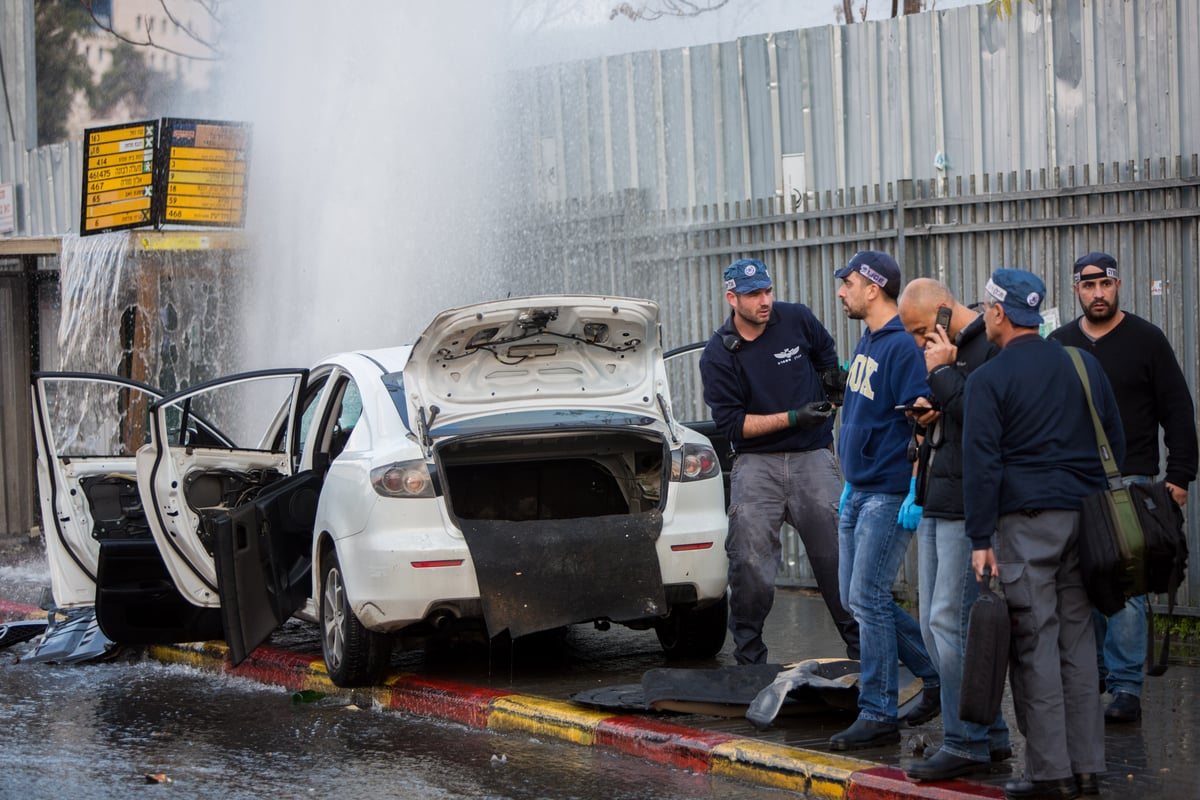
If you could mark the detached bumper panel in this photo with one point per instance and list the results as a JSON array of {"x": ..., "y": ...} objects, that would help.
[{"x": 536, "y": 575}]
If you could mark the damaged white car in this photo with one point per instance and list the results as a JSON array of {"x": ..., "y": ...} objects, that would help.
[{"x": 518, "y": 468}]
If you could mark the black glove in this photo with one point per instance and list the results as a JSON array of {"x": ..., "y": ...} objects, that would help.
[
  {"x": 833, "y": 381},
  {"x": 810, "y": 415}
]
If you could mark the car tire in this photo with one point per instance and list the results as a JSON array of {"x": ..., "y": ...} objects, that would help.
[
  {"x": 690, "y": 632},
  {"x": 354, "y": 655}
]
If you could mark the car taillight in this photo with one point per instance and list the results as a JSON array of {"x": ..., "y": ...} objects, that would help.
[
  {"x": 695, "y": 462},
  {"x": 402, "y": 479}
]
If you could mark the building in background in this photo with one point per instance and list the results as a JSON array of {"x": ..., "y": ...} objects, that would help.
[{"x": 175, "y": 41}]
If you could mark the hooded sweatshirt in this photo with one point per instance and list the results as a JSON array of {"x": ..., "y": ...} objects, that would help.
[{"x": 888, "y": 369}]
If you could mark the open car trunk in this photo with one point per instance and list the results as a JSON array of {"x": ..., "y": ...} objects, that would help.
[{"x": 562, "y": 527}]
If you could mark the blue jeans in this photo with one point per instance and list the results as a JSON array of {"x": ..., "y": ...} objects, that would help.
[
  {"x": 871, "y": 547},
  {"x": 1121, "y": 638},
  {"x": 947, "y": 590}
]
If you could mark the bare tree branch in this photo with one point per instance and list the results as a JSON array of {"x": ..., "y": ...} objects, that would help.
[
  {"x": 667, "y": 8},
  {"x": 209, "y": 7}
]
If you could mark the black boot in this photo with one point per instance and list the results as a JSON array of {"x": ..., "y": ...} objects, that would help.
[
  {"x": 943, "y": 766},
  {"x": 1125, "y": 707},
  {"x": 928, "y": 707},
  {"x": 865, "y": 733}
]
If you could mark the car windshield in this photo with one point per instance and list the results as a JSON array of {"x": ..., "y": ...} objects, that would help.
[{"x": 542, "y": 418}]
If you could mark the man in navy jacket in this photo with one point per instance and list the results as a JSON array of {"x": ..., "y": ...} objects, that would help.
[
  {"x": 1029, "y": 458},
  {"x": 762, "y": 373}
]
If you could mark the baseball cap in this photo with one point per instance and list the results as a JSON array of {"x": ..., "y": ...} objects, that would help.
[
  {"x": 1020, "y": 293},
  {"x": 877, "y": 267},
  {"x": 1101, "y": 261},
  {"x": 747, "y": 275}
]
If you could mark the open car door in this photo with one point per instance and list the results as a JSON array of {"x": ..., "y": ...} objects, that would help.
[
  {"x": 214, "y": 447},
  {"x": 235, "y": 519},
  {"x": 101, "y": 553}
]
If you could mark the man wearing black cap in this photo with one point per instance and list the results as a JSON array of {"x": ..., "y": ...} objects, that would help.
[
  {"x": 766, "y": 373},
  {"x": 1151, "y": 393},
  {"x": 878, "y": 510},
  {"x": 1029, "y": 459}
]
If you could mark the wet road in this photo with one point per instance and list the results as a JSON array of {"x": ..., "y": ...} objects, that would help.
[
  {"x": 97, "y": 731},
  {"x": 1154, "y": 758}
]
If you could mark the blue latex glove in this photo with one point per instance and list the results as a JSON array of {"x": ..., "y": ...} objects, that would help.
[
  {"x": 845, "y": 495},
  {"x": 910, "y": 512}
]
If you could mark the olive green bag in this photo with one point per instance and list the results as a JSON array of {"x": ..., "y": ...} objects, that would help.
[{"x": 1111, "y": 544}]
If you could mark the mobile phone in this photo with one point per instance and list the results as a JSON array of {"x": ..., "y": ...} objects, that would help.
[
  {"x": 943, "y": 318},
  {"x": 911, "y": 407}
]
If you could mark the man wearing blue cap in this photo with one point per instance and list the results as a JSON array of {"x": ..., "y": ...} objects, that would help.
[
  {"x": 766, "y": 372},
  {"x": 1151, "y": 393},
  {"x": 1029, "y": 459},
  {"x": 878, "y": 510}
]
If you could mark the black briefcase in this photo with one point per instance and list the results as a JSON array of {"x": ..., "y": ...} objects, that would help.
[{"x": 985, "y": 663}]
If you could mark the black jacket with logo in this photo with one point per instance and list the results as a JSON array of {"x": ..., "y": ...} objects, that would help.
[
  {"x": 940, "y": 462},
  {"x": 778, "y": 371}
]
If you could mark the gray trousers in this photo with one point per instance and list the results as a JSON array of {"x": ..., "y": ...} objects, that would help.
[
  {"x": 767, "y": 489},
  {"x": 1053, "y": 670}
]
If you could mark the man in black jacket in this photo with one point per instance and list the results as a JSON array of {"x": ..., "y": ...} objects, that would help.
[
  {"x": 946, "y": 578},
  {"x": 1151, "y": 392}
]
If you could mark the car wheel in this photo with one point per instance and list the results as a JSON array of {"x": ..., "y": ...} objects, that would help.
[
  {"x": 354, "y": 655},
  {"x": 689, "y": 632}
]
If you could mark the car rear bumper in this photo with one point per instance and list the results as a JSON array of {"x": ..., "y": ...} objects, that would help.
[{"x": 411, "y": 564}]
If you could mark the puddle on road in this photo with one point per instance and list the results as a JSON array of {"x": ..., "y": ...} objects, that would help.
[{"x": 98, "y": 730}]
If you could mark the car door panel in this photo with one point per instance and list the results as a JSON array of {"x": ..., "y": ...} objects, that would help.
[
  {"x": 87, "y": 427},
  {"x": 137, "y": 602},
  {"x": 263, "y": 560}
]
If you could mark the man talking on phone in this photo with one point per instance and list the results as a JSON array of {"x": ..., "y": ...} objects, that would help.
[{"x": 954, "y": 341}]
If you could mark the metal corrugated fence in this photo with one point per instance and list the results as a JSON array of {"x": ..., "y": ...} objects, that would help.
[
  {"x": 940, "y": 94},
  {"x": 49, "y": 186},
  {"x": 1146, "y": 214}
]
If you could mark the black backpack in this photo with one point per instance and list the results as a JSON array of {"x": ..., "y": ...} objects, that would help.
[{"x": 1165, "y": 556}]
